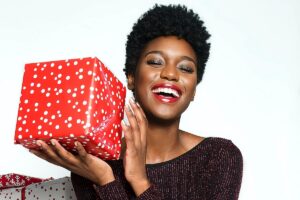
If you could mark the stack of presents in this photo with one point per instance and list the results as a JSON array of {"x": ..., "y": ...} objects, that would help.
[{"x": 67, "y": 100}]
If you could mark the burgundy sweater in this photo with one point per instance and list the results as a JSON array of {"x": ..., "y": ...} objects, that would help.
[{"x": 212, "y": 170}]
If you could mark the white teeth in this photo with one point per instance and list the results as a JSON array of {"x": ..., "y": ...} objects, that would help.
[{"x": 166, "y": 90}]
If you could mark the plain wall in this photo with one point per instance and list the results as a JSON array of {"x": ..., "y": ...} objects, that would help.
[{"x": 250, "y": 92}]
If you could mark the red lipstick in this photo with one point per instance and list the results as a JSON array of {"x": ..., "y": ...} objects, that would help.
[{"x": 166, "y": 92}]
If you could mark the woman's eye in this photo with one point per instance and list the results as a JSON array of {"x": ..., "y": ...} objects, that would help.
[
  {"x": 154, "y": 62},
  {"x": 185, "y": 68}
]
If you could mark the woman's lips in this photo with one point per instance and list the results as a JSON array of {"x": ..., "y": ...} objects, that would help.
[{"x": 167, "y": 93}]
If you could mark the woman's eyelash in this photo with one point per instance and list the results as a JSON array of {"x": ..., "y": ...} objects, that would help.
[
  {"x": 186, "y": 69},
  {"x": 154, "y": 62}
]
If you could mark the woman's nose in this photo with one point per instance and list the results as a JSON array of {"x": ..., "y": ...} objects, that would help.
[{"x": 169, "y": 72}]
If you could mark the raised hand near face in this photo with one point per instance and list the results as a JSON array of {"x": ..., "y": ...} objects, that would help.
[
  {"x": 134, "y": 159},
  {"x": 83, "y": 164}
]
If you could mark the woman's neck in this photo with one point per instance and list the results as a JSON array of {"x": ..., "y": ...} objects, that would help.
[{"x": 163, "y": 142}]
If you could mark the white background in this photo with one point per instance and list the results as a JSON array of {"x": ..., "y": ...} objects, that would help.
[{"x": 250, "y": 92}]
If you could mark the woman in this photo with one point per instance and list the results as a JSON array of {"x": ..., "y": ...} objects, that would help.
[{"x": 166, "y": 55}]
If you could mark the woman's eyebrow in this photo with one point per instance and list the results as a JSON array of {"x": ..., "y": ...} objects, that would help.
[
  {"x": 153, "y": 52},
  {"x": 189, "y": 59}
]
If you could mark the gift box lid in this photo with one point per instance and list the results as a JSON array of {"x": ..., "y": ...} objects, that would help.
[{"x": 12, "y": 180}]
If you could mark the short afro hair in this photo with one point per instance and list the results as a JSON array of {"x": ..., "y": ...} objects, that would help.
[{"x": 170, "y": 20}]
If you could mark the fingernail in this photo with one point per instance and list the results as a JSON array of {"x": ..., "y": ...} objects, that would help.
[
  {"x": 123, "y": 122},
  {"x": 38, "y": 143},
  {"x": 137, "y": 103},
  {"x": 76, "y": 143},
  {"x": 132, "y": 100},
  {"x": 52, "y": 142},
  {"x": 128, "y": 108}
]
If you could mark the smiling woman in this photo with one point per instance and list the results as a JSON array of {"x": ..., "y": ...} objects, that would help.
[{"x": 166, "y": 54}]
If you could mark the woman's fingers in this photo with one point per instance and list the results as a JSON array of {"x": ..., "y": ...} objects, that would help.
[
  {"x": 128, "y": 136},
  {"x": 66, "y": 158},
  {"x": 45, "y": 152},
  {"x": 56, "y": 154},
  {"x": 141, "y": 120},
  {"x": 39, "y": 154},
  {"x": 81, "y": 151},
  {"x": 131, "y": 119},
  {"x": 138, "y": 112},
  {"x": 49, "y": 152}
]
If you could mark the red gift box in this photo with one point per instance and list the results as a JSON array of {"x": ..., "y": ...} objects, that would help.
[{"x": 72, "y": 100}]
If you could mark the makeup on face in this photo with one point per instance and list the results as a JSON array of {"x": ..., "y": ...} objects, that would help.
[{"x": 166, "y": 76}]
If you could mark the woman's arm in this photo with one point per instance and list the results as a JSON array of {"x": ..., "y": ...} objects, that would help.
[
  {"x": 87, "y": 190},
  {"x": 99, "y": 172},
  {"x": 134, "y": 160},
  {"x": 227, "y": 169}
]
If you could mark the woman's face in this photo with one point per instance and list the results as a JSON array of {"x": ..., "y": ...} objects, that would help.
[{"x": 166, "y": 78}]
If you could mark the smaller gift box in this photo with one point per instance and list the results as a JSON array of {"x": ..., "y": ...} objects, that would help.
[
  {"x": 72, "y": 100},
  {"x": 12, "y": 186}
]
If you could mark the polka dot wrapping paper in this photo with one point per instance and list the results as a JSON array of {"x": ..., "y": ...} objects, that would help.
[{"x": 72, "y": 100}]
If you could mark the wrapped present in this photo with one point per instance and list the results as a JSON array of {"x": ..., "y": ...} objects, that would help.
[
  {"x": 61, "y": 188},
  {"x": 72, "y": 100},
  {"x": 12, "y": 186}
]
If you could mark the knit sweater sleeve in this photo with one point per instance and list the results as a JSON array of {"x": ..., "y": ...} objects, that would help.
[
  {"x": 150, "y": 194},
  {"x": 115, "y": 191},
  {"x": 112, "y": 191},
  {"x": 227, "y": 170},
  {"x": 87, "y": 190}
]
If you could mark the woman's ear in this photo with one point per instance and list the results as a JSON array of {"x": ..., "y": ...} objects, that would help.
[{"x": 130, "y": 81}]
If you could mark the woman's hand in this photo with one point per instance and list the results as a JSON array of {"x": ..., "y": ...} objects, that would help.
[
  {"x": 83, "y": 164},
  {"x": 134, "y": 159}
]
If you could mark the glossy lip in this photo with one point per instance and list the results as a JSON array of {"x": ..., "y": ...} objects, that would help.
[{"x": 163, "y": 98}]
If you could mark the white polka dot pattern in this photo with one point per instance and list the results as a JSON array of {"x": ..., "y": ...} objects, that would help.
[{"x": 72, "y": 100}]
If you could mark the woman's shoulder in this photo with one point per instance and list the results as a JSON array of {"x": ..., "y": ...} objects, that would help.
[
  {"x": 192, "y": 140},
  {"x": 213, "y": 146},
  {"x": 223, "y": 150},
  {"x": 223, "y": 143}
]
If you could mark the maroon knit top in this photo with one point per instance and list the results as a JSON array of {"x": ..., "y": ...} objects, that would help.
[{"x": 212, "y": 170}]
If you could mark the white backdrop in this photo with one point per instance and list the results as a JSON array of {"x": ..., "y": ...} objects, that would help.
[{"x": 250, "y": 92}]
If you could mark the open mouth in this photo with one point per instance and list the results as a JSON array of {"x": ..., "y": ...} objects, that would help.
[{"x": 166, "y": 93}]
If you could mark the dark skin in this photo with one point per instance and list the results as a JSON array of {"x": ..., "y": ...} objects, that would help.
[
  {"x": 153, "y": 134},
  {"x": 166, "y": 60}
]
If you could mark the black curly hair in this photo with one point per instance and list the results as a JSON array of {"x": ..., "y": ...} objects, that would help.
[{"x": 170, "y": 20}]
